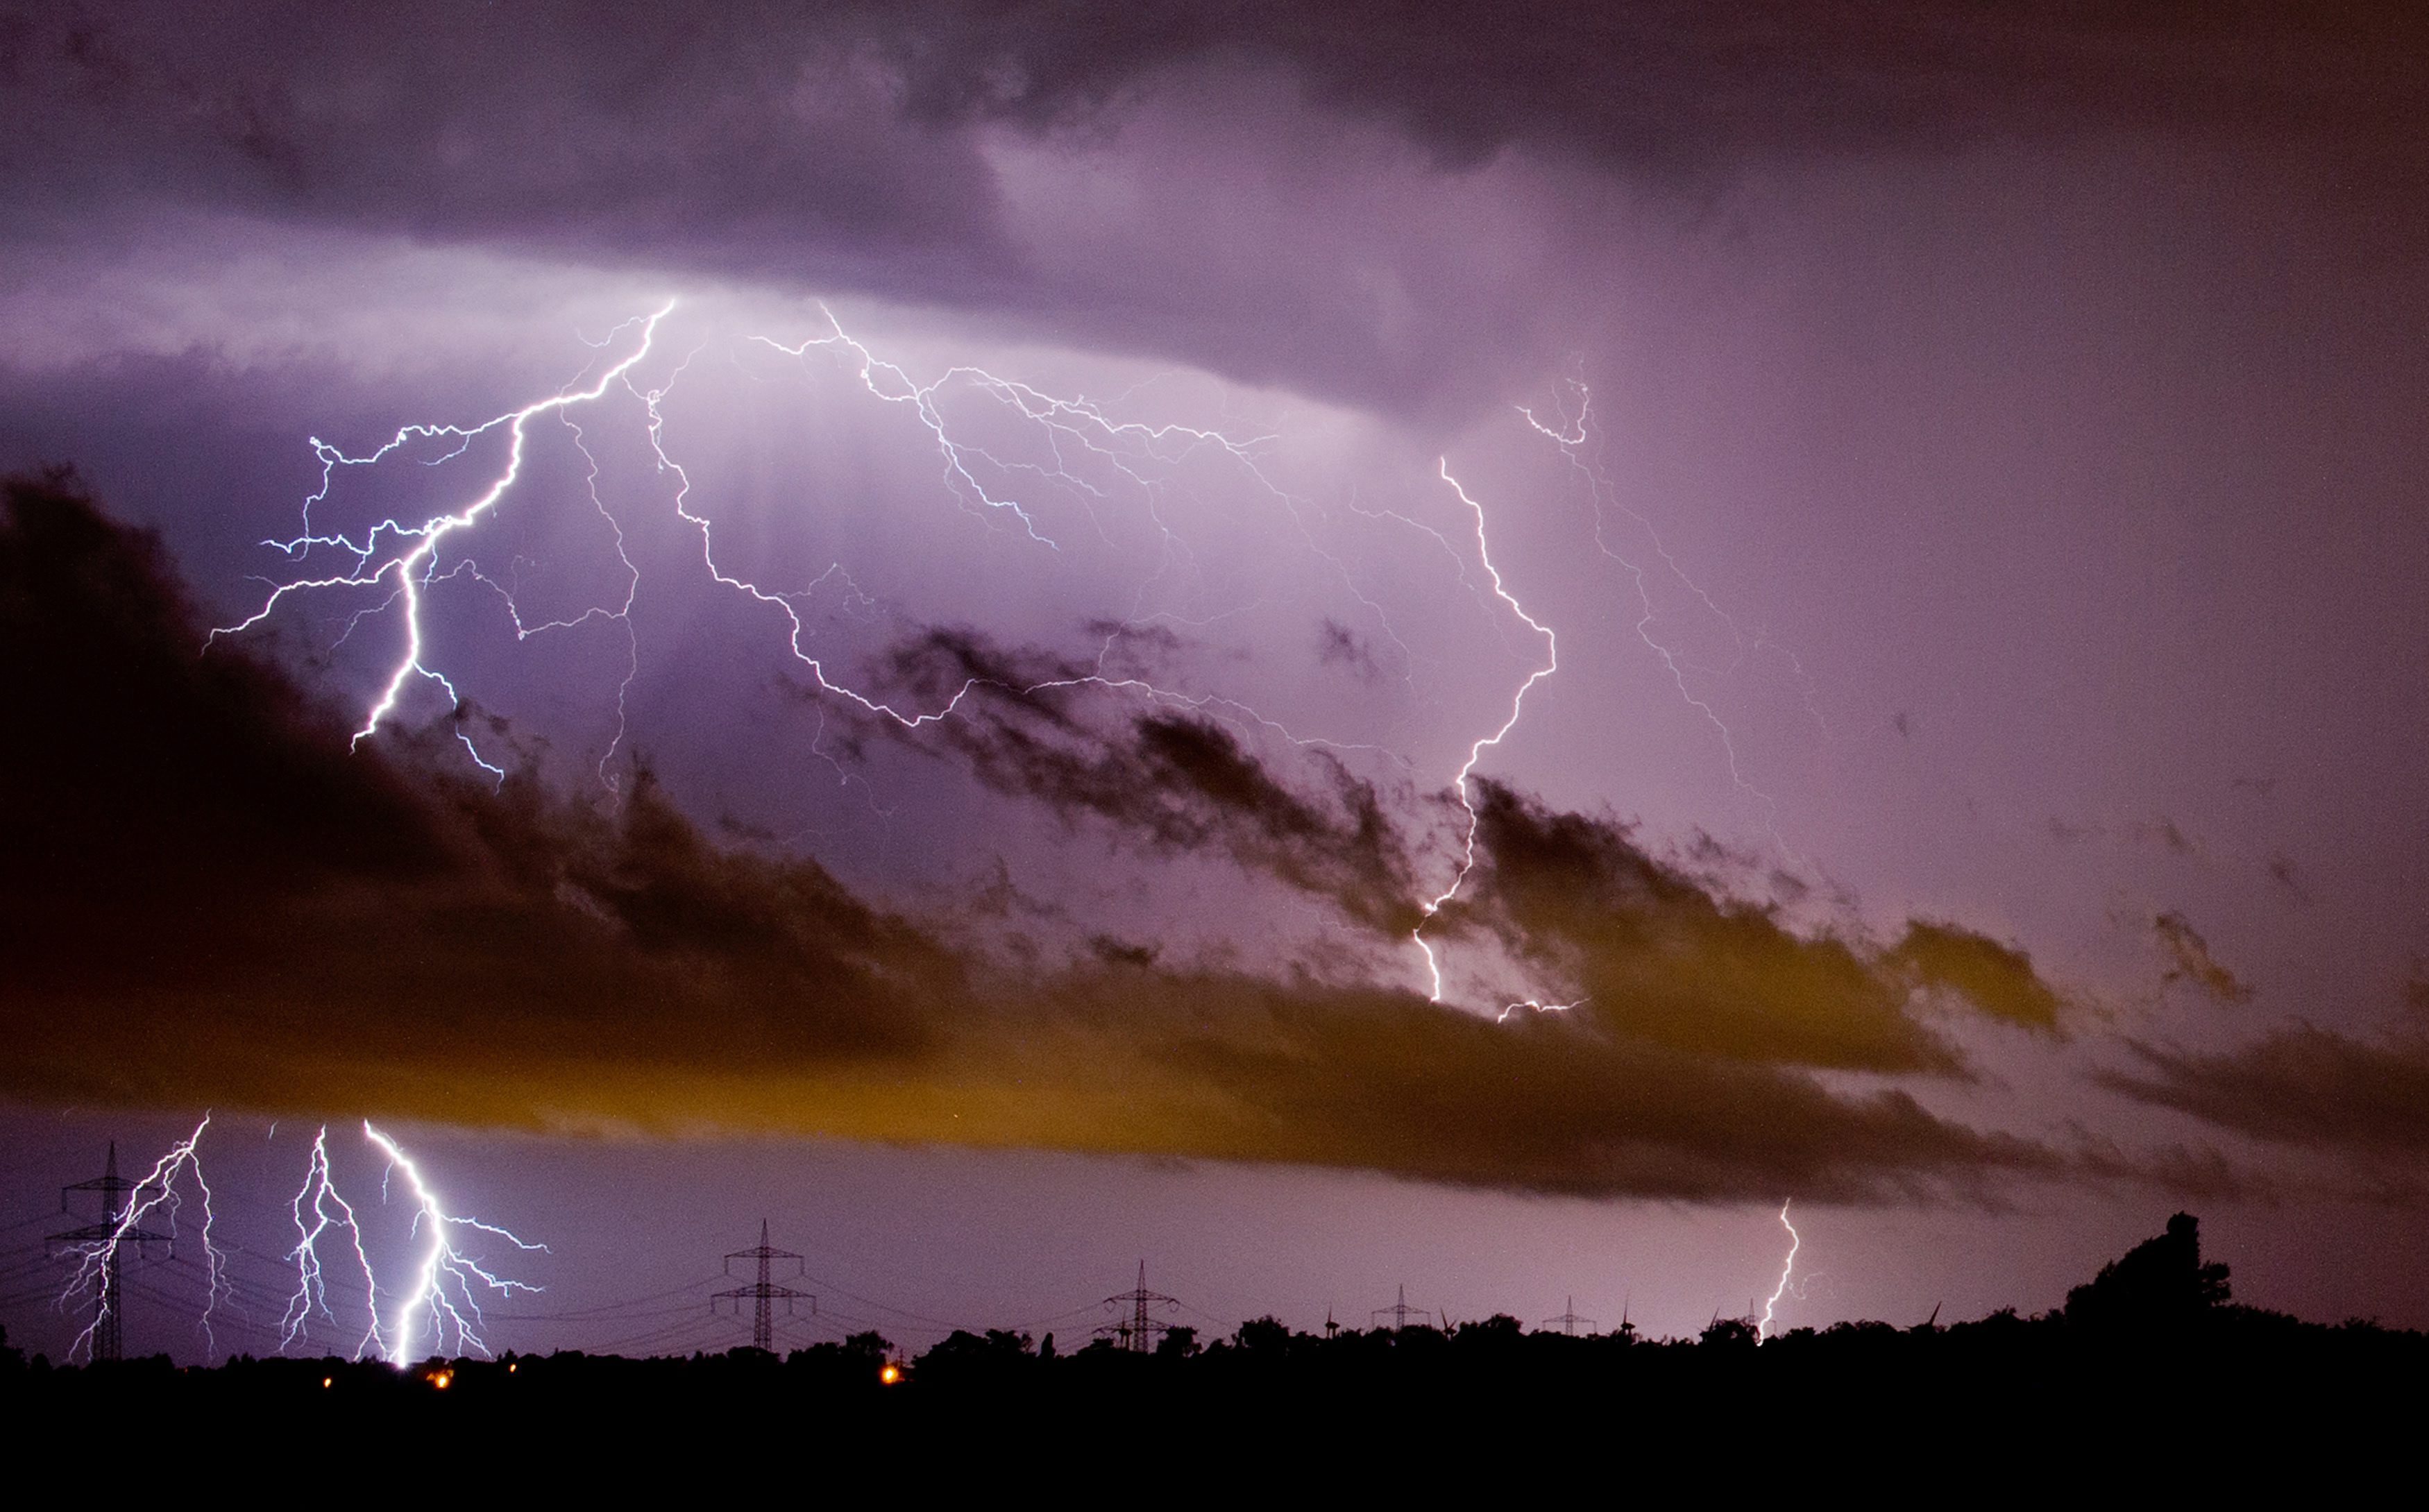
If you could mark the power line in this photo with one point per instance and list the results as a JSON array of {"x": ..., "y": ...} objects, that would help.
[
  {"x": 1137, "y": 1331},
  {"x": 1400, "y": 1311},
  {"x": 99, "y": 1245},
  {"x": 764, "y": 1293},
  {"x": 1569, "y": 1320}
]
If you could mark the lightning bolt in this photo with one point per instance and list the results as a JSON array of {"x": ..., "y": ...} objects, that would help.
[
  {"x": 411, "y": 555},
  {"x": 1071, "y": 428},
  {"x": 1532, "y": 1005},
  {"x": 448, "y": 1283},
  {"x": 405, "y": 556},
  {"x": 1475, "y": 753},
  {"x": 1787, "y": 1267},
  {"x": 158, "y": 1192},
  {"x": 318, "y": 1206}
]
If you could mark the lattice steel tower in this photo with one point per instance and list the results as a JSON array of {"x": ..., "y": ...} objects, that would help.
[
  {"x": 764, "y": 1293},
  {"x": 1138, "y": 1330},
  {"x": 106, "y": 1240},
  {"x": 1400, "y": 1312},
  {"x": 1568, "y": 1321}
]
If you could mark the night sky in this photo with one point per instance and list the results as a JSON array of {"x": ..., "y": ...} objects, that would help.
[{"x": 950, "y": 739}]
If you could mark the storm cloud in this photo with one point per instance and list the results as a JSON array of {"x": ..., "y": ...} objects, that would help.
[
  {"x": 212, "y": 899},
  {"x": 925, "y": 153}
]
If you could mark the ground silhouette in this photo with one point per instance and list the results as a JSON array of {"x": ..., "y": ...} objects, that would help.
[{"x": 2149, "y": 1363}]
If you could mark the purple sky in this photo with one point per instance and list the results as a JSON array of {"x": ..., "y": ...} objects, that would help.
[{"x": 1971, "y": 471}]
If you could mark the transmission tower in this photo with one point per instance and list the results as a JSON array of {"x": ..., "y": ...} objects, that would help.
[
  {"x": 103, "y": 1240},
  {"x": 1568, "y": 1321},
  {"x": 1137, "y": 1331},
  {"x": 763, "y": 1294},
  {"x": 1400, "y": 1312}
]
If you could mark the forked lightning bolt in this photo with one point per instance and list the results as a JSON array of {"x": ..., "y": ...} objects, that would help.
[
  {"x": 411, "y": 555},
  {"x": 157, "y": 1192},
  {"x": 318, "y": 1208},
  {"x": 405, "y": 556},
  {"x": 448, "y": 1284}
]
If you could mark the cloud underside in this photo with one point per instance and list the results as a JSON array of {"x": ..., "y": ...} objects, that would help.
[
  {"x": 2302, "y": 1085},
  {"x": 861, "y": 146},
  {"x": 209, "y": 899}
]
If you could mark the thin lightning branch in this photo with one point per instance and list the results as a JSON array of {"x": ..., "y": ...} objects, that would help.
[
  {"x": 402, "y": 556},
  {"x": 1475, "y": 753},
  {"x": 157, "y": 1191},
  {"x": 1532, "y": 1005},
  {"x": 411, "y": 560},
  {"x": 1787, "y": 1267},
  {"x": 1068, "y": 423},
  {"x": 1075, "y": 427},
  {"x": 461, "y": 1308},
  {"x": 1571, "y": 437},
  {"x": 318, "y": 1208}
]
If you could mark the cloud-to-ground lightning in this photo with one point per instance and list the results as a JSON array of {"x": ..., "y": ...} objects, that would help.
[
  {"x": 97, "y": 1257},
  {"x": 1475, "y": 753},
  {"x": 448, "y": 1283},
  {"x": 1787, "y": 1268},
  {"x": 318, "y": 1208}
]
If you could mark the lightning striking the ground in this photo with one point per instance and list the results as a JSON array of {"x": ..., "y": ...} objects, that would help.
[
  {"x": 99, "y": 1257},
  {"x": 448, "y": 1284},
  {"x": 318, "y": 1208},
  {"x": 1787, "y": 1268},
  {"x": 440, "y": 1309}
]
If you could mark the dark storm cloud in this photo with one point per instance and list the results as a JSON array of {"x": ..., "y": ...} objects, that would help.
[
  {"x": 1662, "y": 958},
  {"x": 1250, "y": 1069},
  {"x": 1996, "y": 980},
  {"x": 200, "y": 875},
  {"x": 1177, "y": 779},
  {"x": 2301, "y": 1085},
  {"x": 1661, "y": 955},
  {"x": 1673, "y": 85},
  {"x": 849, "y": 147},
  {"x": 209, "y": 898},
  {"x": 2189, "y": 961},
  {"x": 750, "y": 145},
  {"x": 739, "y": 129}
]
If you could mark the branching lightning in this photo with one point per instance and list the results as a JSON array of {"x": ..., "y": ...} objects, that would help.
[
  {"x": 318, "y": 1208},
  {"x": 410, "y": 556},
  {"x": 156, "y": 1192},
  {"x": 1534, "y": 1006},
  {"x": 1572, "y": 436},
  {"x": 448, "y": 1284},
  {"x": 405, "y": 557}
]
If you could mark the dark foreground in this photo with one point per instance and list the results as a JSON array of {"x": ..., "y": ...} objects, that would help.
[{"x": 2149, "y": 1375}]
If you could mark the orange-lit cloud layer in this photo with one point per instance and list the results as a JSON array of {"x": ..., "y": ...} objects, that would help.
[{"x": 211, "y": 901}]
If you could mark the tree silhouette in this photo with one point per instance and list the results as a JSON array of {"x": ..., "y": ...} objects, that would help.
[{"x": 2157, "y": 1285}]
